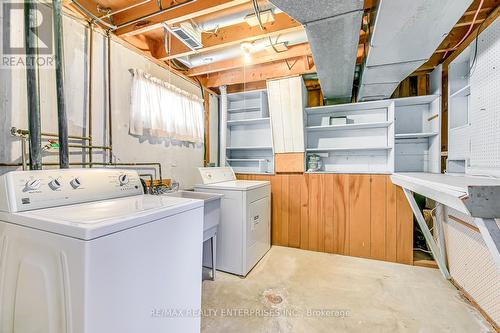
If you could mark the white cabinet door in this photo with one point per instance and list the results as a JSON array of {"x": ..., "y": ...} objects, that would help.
[{"x": 286, "y": 104}]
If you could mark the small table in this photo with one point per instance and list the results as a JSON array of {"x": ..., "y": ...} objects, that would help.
[{"x": 478, "y": 197}]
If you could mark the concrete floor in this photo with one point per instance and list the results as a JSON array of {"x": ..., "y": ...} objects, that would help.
[{"x": 292, "y": 290}]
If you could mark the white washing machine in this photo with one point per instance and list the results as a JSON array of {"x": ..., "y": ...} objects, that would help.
[
  {"x": 84, "y": 251},
  {"x": 244, "y": 234}
]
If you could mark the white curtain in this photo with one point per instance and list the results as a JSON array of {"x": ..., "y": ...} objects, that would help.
[{"x": 162, "y": 110}]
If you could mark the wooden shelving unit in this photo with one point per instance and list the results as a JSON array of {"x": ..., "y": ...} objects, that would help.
[
  {"x": 351, "y": 138},
  {"x": 417, "y": 134},
  {"x": 249, "y": 146},
  {"x": 458, "y": 112}
]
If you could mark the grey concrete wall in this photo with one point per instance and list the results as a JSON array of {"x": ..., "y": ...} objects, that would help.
[{"x": 179, "y": 160}]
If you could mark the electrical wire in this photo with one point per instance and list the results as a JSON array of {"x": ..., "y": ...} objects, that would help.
[
  {"x": 468, "y": 31},
  {"x": 473, "y": 63},
  {"x": 257, "y": 14}
]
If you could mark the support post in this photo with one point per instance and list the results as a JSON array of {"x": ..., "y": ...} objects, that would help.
[
  {"x": 491, "y": 235},
  {"x": 428, "y": 236}
]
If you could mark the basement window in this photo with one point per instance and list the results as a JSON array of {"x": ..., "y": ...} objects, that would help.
[{"x": 161, "y": 110}]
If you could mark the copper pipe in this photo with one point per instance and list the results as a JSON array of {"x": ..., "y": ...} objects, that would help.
[{"x": 18, "y": 131}]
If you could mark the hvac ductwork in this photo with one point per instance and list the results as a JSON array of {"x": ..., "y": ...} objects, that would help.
[
  {"x": 404, "y": 36},
  {"x": 332, "y": 28},
  {"x": 232, "y": 52}
]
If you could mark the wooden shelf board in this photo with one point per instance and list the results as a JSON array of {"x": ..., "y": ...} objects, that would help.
[
  {"x": 415, "y": 135},
  {"x": 349, "y": 126},
  {"x": 251, "y": 148},
  {"x": 461, "y": 92},
  {"x": 248, "y": 121},
  {"x": 319, "y": 150}
]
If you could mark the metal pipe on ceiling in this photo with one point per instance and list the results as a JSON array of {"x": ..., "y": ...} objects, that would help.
[
  {"x": 159, "y": 12},
  {"x": 33, "y": 89},
  {"x": 89, "y": 14},
  {"x": 111, "y": 13},
  {"x": 62, "y": 120}
]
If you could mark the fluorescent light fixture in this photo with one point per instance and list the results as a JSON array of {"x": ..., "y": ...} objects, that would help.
[{"x": 266, "y": 16}]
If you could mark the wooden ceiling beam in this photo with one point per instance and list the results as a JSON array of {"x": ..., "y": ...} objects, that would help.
[
  {"x": 229, "y": 36},
  {"x": 234, "y": 35},
  {"x": 260, "y": 72},
  {"x": 259, "y": 58},
  {"x": 180, "y": 14}
]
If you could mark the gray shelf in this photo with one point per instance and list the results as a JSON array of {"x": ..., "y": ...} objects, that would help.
[
  {"x": 349, "y": 126},
  {"x": 416, "y": 135},
  {"x": 248, "y": 121},
  {"x": 325, "y": 150}
]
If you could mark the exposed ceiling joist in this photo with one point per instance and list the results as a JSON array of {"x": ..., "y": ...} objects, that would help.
[
  {"x": 190, "y": 11},
  {"x": 259, "y": 58},
  {"x": 233, "y": 35},
  {"x": 294, "y": 66}
]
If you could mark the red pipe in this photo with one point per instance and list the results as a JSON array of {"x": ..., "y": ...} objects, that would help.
[{"x": 468, "y": 31}]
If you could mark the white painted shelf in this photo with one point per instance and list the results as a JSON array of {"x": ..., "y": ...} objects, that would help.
[
  {"x": 246, "y": 160},
  {"x": 462, "y": 92},
  {"x": 325, "y": 150},
  {"x": 253, "y": 121},
  {"x": 416, "y": 135},
  {"x": 250, "y": 148},
  {"x": 244, "y": 109},
  {"x": 382, "y": 124}
]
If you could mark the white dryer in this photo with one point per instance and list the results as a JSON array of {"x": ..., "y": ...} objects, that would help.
[
  {"x": 244, "y": 234},
  {"x": 84, "y": 251}
]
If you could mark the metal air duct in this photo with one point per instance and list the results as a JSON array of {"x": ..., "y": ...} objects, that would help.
[
  {"x": 332, "y": 27},
  {"x": 404, "y": 36}
]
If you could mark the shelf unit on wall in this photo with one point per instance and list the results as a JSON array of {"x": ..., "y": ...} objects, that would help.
[
  {"x": 351, "y": 138},
  {"x": 249, "y": 147},
  {"x": 417, "y": 134},
  {"x": 458, "y": 112}
]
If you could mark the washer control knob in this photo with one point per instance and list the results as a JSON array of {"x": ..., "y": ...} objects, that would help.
[
  {"x": 75, "y": 183},
  {"x": 33, "y": 184},
  {"x": 123, "y": 179},
  {"x": 56, "y": 183}
]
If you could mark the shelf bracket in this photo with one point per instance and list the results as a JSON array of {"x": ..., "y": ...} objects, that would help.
[
  {"x": 438, "y": 255},
  {"x": 491, "y": 236}
]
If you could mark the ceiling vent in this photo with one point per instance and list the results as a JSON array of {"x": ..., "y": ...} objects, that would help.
[{"x": 188, "y": 34}]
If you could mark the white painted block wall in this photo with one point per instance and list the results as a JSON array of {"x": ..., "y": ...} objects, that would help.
[{"x": 179, "y": 160}]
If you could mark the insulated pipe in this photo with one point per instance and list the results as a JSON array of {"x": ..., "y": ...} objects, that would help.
[
  {"x": 33, "y": 92},
  {"x": 62, "y": 120}
]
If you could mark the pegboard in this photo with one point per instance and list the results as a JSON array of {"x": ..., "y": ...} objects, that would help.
[
  {"x": 485, "y": 103},
  {"x": 470, "y": 263}
]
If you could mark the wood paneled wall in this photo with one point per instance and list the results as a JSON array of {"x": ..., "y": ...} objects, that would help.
[{"x": 350, "y": 214}]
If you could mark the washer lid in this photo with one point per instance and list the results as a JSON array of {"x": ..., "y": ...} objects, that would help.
[
  {"x": 95, "y": 219},
  {"x": 235, "y": 185}
]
